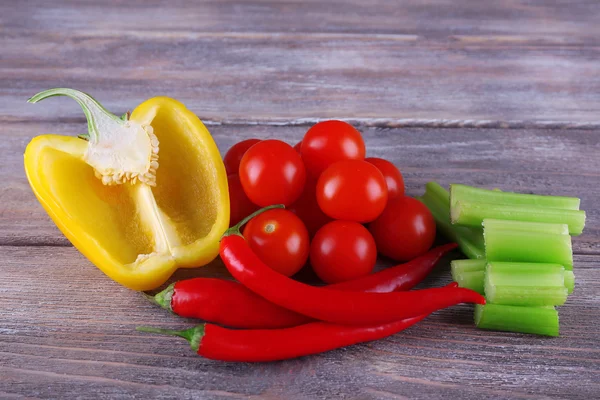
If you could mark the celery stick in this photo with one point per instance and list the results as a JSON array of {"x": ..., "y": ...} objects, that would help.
[
  {"x": 460, "y": 266},
  {"x": 469, "y": 273},
  {"x": 473, "y": 213},
  {"x": 525, "y": 284},
  {"x": 561, "y": 229},
  {"x": 569, "y": 281},
  {"x": 471, "y": 280},
  {"x": 537, "y": 320},
  {"x": 522, "y": 246},
  {"x": 470, "y": 240},
  {"x": 437, "y": 191},
  {"x": 477, "y": 195}
]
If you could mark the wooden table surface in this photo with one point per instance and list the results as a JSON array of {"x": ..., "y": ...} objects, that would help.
[{"x": 499, "y": 94}]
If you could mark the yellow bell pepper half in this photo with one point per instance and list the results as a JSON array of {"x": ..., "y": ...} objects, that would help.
[{"x": 139, "y": 196}]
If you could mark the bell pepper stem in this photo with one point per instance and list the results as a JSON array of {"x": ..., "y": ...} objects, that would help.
[
  {"x": 91, "y": 108},
  {"x": 193, "y": 335},
  {"x": 236, "y": 229}
]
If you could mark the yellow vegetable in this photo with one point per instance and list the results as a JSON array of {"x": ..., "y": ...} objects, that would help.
[{"x": 140, "y": 196}]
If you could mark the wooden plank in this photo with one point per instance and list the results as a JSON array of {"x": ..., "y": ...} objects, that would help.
[
  {"x": 562, "y": 162},
  {"x": 71, "y": 332},
  {"x": 386, "y": 62},
  {"x": 562, "y": 22}
]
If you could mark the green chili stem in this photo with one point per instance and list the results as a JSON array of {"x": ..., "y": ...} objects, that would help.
[{"x": 193, "y": 335}]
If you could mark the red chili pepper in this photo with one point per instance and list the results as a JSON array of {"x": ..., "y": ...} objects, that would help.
[
  {"x": 336, "y": 306},
  {"x": 399, "y": 278},
  {"x": 217, "y": 343},
  {"x": 231, "y": 304}
]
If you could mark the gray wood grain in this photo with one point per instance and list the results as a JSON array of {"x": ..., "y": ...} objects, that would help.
[
  {"x": 71, "y": 331},
  {"x": 397, "y": 69},
  {"x": 440, "y": 60}
]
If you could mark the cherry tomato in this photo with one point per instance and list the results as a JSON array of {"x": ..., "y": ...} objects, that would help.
[
  {"x": 404, "y": 230},
  {"x": 279, "y": 239},
  {"x": 341, "y": 251},
  {"x": 240, "y": 205},
  {"x": 352, "y": 190},
  {"x": 328, "y": 142},
  {"x": 392, "y": 175},
  {"x": 272, "y": 172},
  {"x": 235, "y": 153},
  {"x": 307, "y": 208},
  {"x": 298, "y": 146}
]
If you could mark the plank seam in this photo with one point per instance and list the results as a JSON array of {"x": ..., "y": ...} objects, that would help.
[{"x": 372, "y": 122}]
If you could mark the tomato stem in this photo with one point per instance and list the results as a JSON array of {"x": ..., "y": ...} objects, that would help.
[{"x": 235, "y": 230}]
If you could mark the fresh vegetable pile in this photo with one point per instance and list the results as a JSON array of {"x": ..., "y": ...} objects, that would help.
[
  {"x": 284, "y": 318},
  {"x": 330, "y": 191},
  {"x": 320, "y": 204},
  {"x": 342, "y": 209},
  {"x": 520, "y": 250}
]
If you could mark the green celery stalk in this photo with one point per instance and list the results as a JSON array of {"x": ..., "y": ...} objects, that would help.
[
  {"x": 470, "y": 213},
  {"x": 477, "y": 195},
  {"x": 536, "y": 320},
  {"x": 471, "y": 280},
  {"x": 524, "y": 246},
  {"x": 470, "y": 240},
  {"x": 525, "y": 284},
  {"x": 569, "y": 281},
  {"x": 461, "y": 266},
  {"x": 543, "y": 227},
  {"x": 469, "y": 273}
]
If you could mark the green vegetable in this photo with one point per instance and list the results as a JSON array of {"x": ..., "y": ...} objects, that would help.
[
  {"x": 470, "y": 213},
  {"x": 560, "y": 229},
  {"x": 537, "y": 320},
  {"x": 472, "y": 194},
  {"x": 569, "y": 281},
  {"x": 525, "y": 284},
  {"x": 469, "y": 273},
  {"x": 522, "y": 245},
  {"x": 470, "y": 240}
]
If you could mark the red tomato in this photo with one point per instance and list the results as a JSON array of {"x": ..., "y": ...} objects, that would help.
[
  {"x": 341, "y": 251},
  {"x": 404, "y": 230},
  {"x": 235, "y": 153},
  {"x": 298, "y": 146},
  {"x": 392, "y": 175},
  {"x": 272, "y": 172},
  {"x": 328, "y": 142},
  {"x": 240, "y": 205},
  {"x": 279, "y": 239},
  {"x": 307, "y": 208},
  {"x": 352, "y": 190}
]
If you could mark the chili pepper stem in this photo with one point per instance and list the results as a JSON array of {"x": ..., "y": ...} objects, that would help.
[
  {"x": 163, "y": 298},
  {"x": 192, "y": 335},
  {"x": 236, "y": 229}
]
